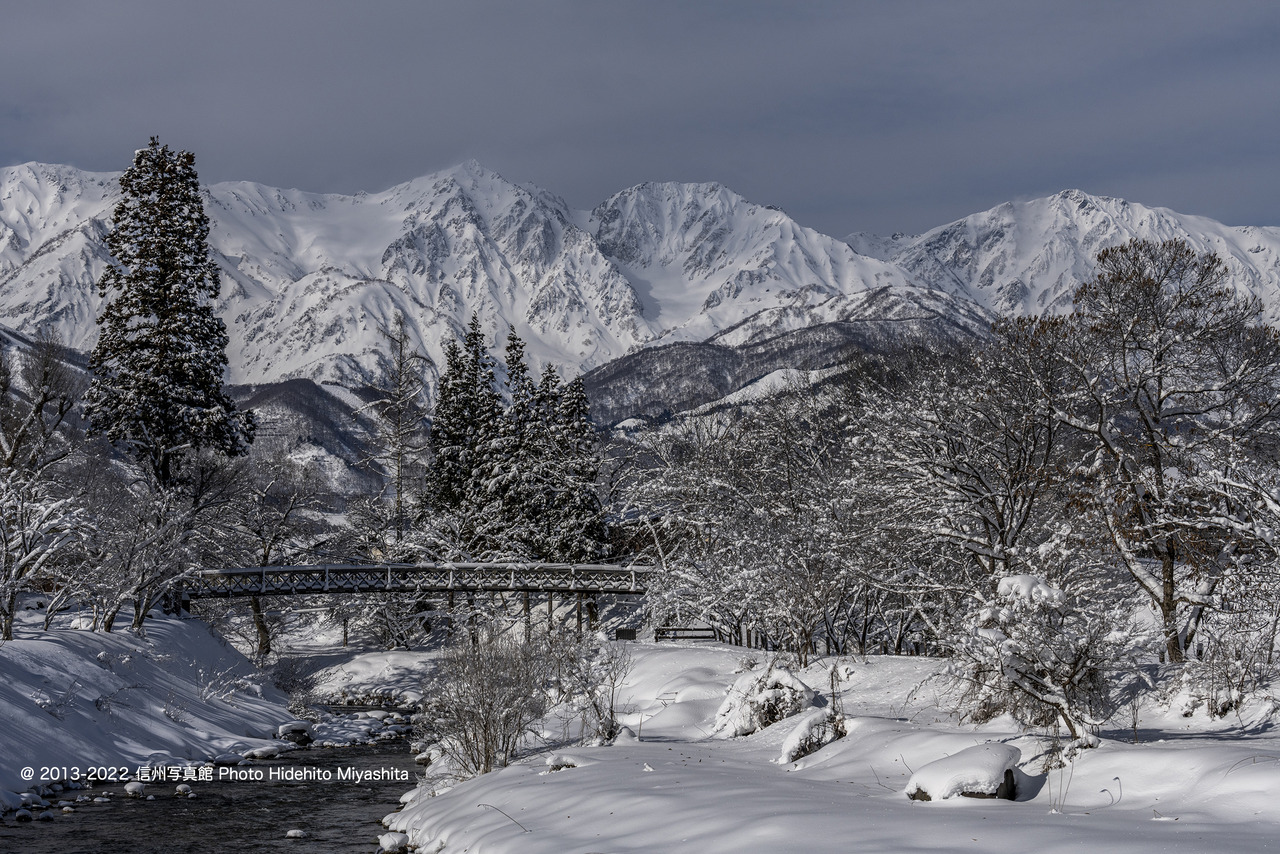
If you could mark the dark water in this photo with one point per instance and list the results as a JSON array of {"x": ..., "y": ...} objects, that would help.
[{"x": 232, "y": 815}]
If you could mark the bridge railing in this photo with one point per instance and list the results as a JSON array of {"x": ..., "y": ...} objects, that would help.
[{"x": 430, "y": 577}]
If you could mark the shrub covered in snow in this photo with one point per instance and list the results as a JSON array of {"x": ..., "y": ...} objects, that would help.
[
  {"x": 757, "y": 700},
  {"x": 814, "y": 731},
  {"x": 1044, "y": 655},
  {"x": 482, "y": 701}
]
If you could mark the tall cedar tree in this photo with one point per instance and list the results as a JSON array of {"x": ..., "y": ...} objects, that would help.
[
  {"x": 464, "y": 422},
  {"x": 161, "y": 353}
]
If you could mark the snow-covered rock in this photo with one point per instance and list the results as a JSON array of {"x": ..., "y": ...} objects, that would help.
[
  {"x": 393, "y": 843},
  {"x": 297, "y": 732},
  {"x": 981, "y": 771}
]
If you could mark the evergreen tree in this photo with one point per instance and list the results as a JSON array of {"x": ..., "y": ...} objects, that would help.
[
  {"x": 577, "y": 519},
  {"x": 521, "y": 478},
  {"x": 161, "y": 353},
  {"x": 465, "y": 422},
  {"x": 514, "y": 492}
]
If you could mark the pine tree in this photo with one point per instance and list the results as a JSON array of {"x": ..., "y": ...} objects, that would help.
[
  {"x": 161, "y": 353},
  {"x": 515, "y": 495},
  {"x": 521, "y": 477}
]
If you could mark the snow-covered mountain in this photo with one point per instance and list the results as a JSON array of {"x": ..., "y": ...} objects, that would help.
[
  {"x": 703, "y": 259},
  {"x": 1027, "y": 257},
  {"x": 310, "y": 279}
]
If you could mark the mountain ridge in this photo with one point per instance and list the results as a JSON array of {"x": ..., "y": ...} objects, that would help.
[{"x": 310, "y": 280}]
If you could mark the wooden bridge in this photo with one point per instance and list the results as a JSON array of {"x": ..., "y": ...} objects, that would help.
[{"x": 417, "y": 578}]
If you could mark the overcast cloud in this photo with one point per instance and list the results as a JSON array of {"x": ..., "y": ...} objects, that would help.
[{"x": 874, "y": 117}]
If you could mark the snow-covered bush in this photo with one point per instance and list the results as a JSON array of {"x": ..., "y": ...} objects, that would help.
[
  {"x": 1043, "y": 655},
  {"x": 757, "y": 700},
  {"x": 589, "y": 673},
  {"x": 814, "y": 731},
  {"x": 485, "y": 694}
]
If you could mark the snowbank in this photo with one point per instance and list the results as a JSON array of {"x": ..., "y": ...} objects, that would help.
[{"x": 73, "y": 699}]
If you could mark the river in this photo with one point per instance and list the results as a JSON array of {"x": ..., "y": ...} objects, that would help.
[{"x": 235, "y": 815}]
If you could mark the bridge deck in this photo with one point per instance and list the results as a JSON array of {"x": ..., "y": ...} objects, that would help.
[{"x": 417, "y": 578}]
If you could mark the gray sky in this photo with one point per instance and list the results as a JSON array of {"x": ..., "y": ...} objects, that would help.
[{"x": 882, "y": 117}]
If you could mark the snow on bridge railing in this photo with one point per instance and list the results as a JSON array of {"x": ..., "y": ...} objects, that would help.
[{"x": 430, "y": 577}]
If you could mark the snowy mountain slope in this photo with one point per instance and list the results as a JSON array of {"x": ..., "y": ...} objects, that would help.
[
  {"x": 704, "y": 259},
  {"x": 311, "y": 279},
  {"x": 1027, "y": 257},
  {"x": 657, "y": 382},
  {"x": 53, "y": 223}
]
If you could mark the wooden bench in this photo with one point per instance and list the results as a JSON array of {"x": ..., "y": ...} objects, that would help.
[{"x": 683, "y": 633}]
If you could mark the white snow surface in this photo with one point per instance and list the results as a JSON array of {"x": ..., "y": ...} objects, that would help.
[{"x": 1190, "y": 786}]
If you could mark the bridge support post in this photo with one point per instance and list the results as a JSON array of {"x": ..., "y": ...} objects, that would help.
[
  {"x": 528, "y": 619},
  {"x": 593, "y": 614},
  {"x": 551, "y": 613},
  {"x": 578, "y": 610},
  {"x": 471, "y": 619}
]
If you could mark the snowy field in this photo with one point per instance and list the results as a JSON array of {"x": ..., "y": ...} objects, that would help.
[
  {"x": 672, "y": 783},
  {"x": 1188, "y": 785}
]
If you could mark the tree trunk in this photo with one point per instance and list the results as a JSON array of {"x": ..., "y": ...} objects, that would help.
[
  {"x": 109, "y": 618},
  {"x": 1169, "y": 613},
  {"x": 260, "y": 623},
  {"x": 6, "y": 628}
]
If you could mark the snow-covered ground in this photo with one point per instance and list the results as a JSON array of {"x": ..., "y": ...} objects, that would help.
[
  {"x": 79, "y": 699},
  {"x": 671, "y": 783},
  {"x": 1188, "y": 785}
]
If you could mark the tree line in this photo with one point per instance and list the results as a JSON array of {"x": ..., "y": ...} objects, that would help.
[{"x": 1053, "y": 505}]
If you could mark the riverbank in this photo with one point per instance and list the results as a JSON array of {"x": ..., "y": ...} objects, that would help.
[{"x": 86, "y": 704}]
